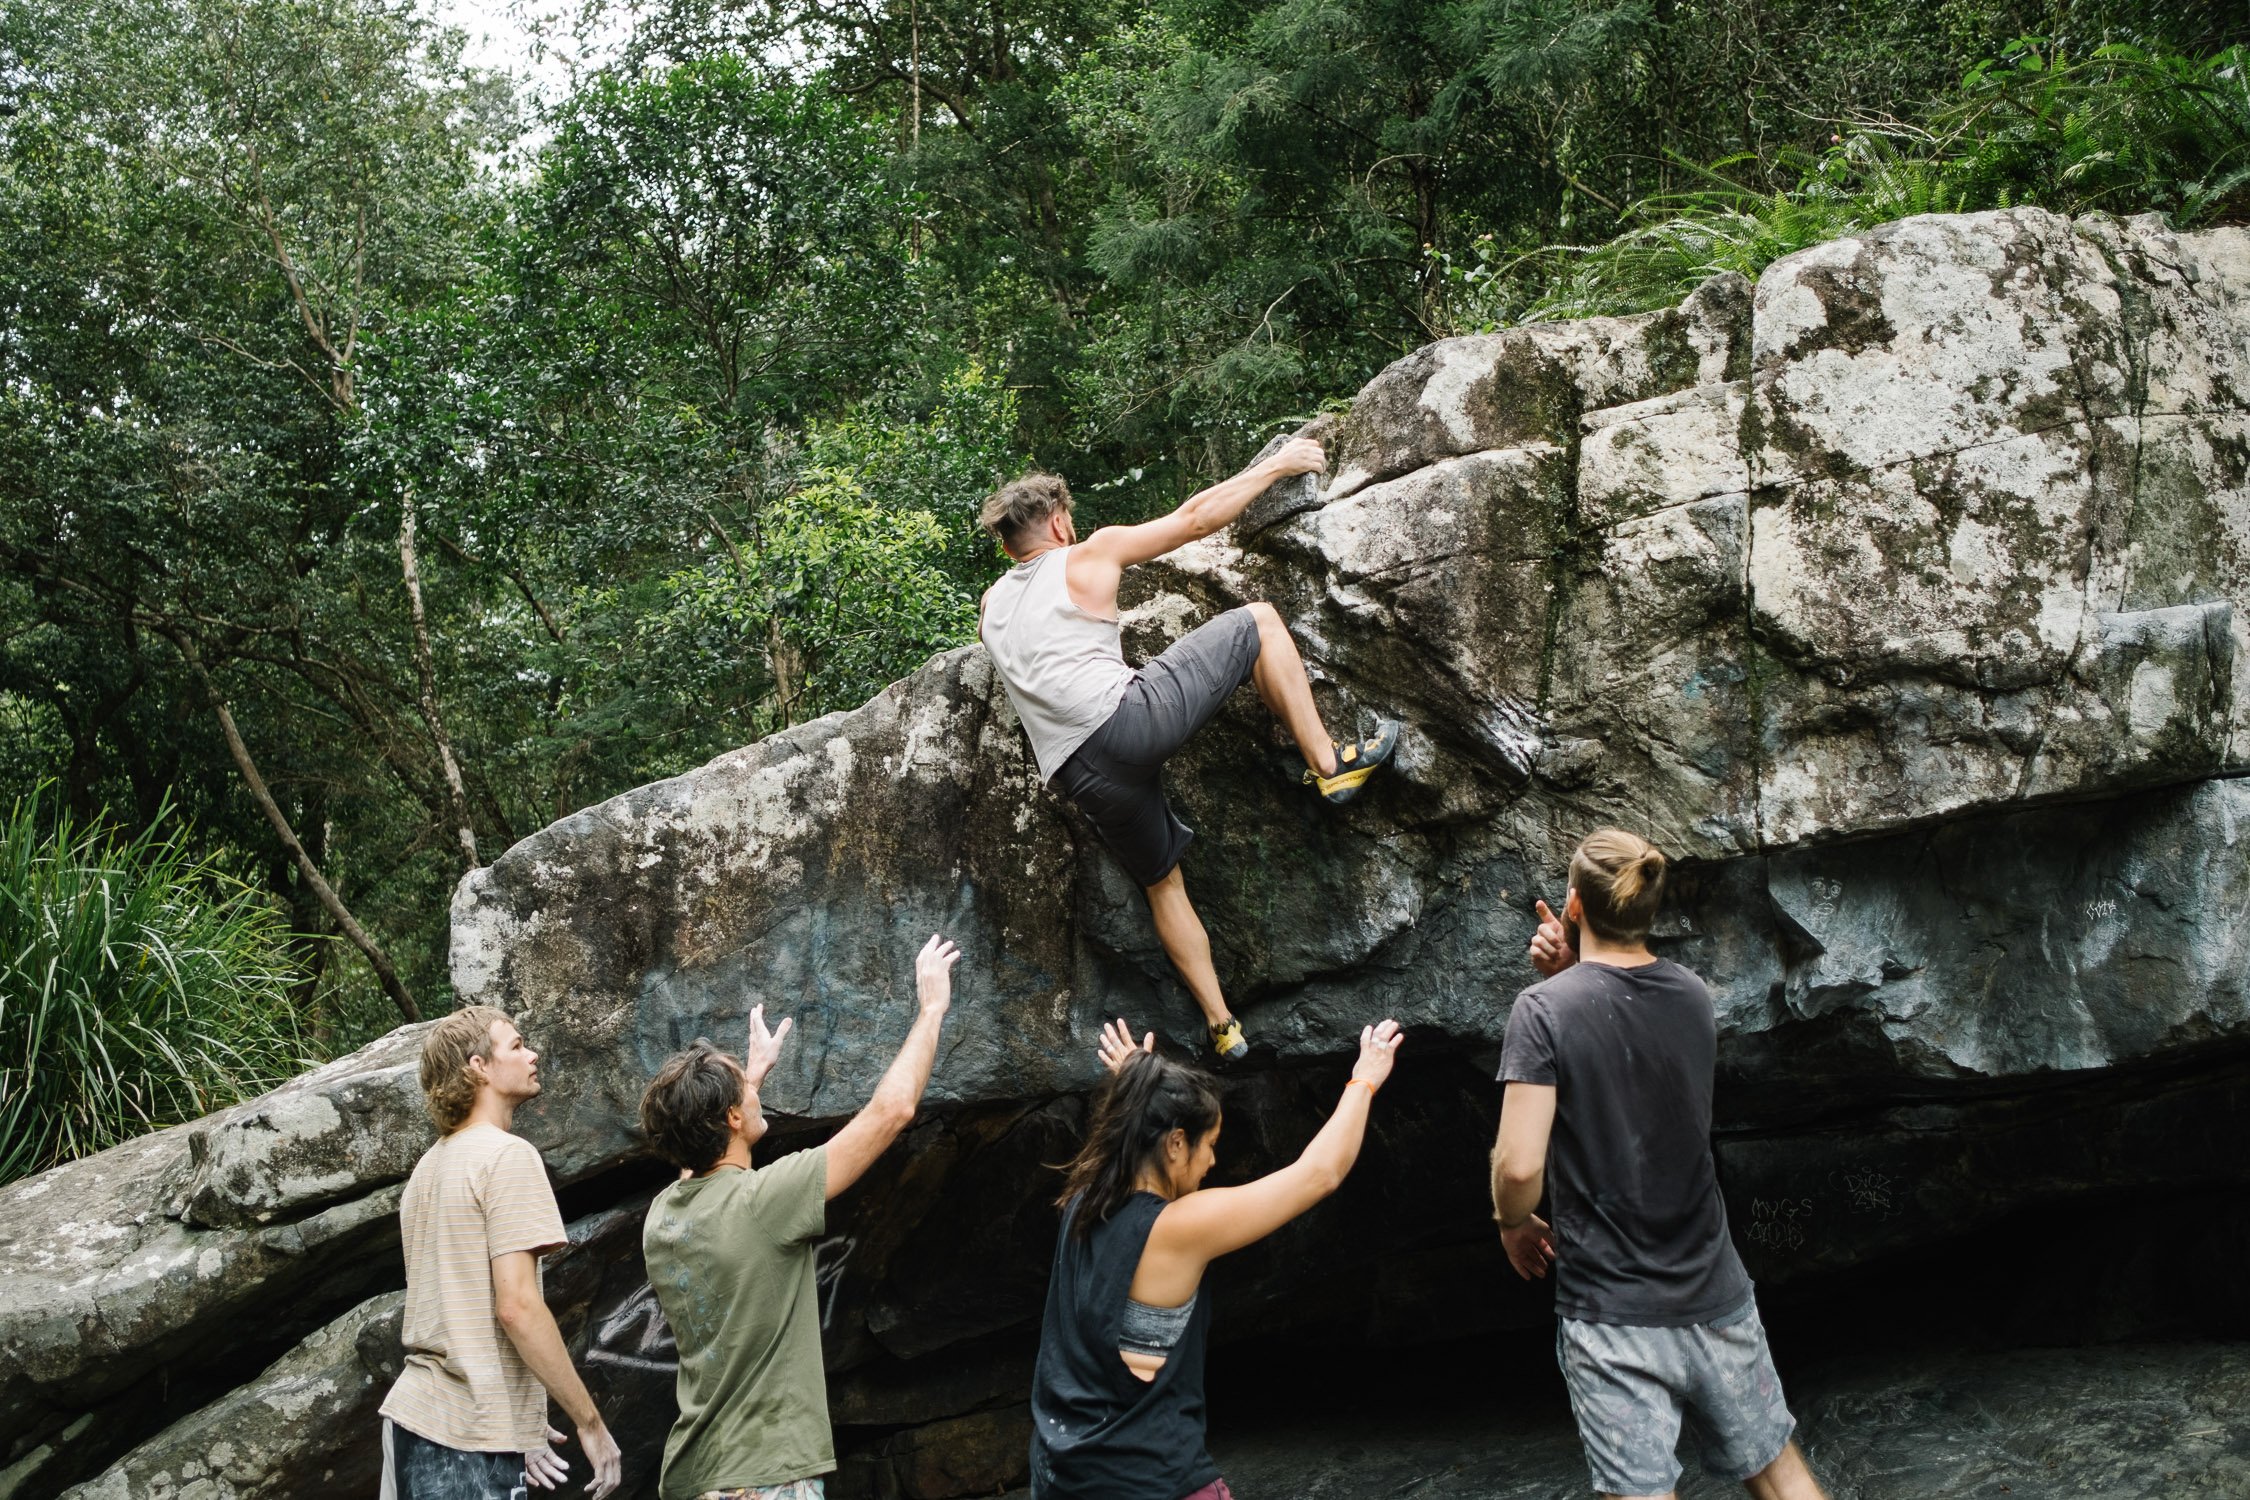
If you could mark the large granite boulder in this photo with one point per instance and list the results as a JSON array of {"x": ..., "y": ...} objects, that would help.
[
  {"x": 305, "y": 1423},
  {"x": 1903, "y": 596},
  {"x": 1936, "y": 522},
  {"x": 117, "y": 1314}
]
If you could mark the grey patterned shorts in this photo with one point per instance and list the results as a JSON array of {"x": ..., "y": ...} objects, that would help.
[
  {"x": 796, "y": 1489},
  {"x": 1630, "y": 1386}
]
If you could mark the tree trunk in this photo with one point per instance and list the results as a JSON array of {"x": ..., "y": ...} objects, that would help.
[
  {"x": 85, "y": 770},
  {"x": 359, "y": 936},
  {"x": 786, "y": 663},
  {"x": 305, "y": 993},
  {"x": 914, "y": 125},
  {"x": 410, "y": 565},
  {"x": 1431, "y": 286},
  {"x": 313, "y": 940}
]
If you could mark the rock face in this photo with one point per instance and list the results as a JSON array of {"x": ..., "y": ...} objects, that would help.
[
  {"x": 304, "y": 1421},
  {"x": 302, "y": 1426},
  {"x": 2127, "y": 1423},
  {"x": 1901, "y": 596}
]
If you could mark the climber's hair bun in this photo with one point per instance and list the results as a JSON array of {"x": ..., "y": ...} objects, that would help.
[{"x": 1619, "y": 878}]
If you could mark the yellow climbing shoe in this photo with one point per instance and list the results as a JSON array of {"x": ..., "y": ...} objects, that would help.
[
  {"x": 1228, "y": 1041},
  {"x": 1355, "y": 762}
]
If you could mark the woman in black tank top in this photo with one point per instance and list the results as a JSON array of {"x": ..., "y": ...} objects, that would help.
[{"x": 1117, "y": 1396}]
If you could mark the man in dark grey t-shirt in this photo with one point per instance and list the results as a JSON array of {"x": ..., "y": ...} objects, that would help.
[{"x": 1608, "y": 1064}]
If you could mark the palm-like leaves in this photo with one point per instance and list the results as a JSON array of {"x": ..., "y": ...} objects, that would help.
[{"x": 140, "y": 985}]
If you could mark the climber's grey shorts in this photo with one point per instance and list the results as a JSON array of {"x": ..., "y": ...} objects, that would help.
[
  {"x": 1113, "y": 776},
  {"x": 1629, "y": 1387}
]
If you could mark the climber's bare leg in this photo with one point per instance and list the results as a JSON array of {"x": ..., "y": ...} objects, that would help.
[
  {"x": 1187, "y": 944},
  {"x": 1282, "y": 683},
  {"x": 1788, "y": 1477}
]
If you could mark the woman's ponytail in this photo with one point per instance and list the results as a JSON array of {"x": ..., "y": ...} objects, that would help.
[{"x": 1136, "y": 1107}]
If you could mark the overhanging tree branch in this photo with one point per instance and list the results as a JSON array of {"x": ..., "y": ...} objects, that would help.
[
  {"x": 515, "y": 576},
  {"x": 358, "y": 936}
]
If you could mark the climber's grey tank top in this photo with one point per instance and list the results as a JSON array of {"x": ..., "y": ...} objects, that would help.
[{"x": 1064, "y": 668}]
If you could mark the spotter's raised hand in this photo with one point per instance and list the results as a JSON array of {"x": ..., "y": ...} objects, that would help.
[{"x": 1117, "y": 1044}]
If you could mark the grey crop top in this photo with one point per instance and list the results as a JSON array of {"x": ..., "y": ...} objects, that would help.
[{"x": 1154, "y": 1330}]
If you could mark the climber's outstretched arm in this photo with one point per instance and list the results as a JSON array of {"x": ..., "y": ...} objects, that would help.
[{"x": 1097, "y": 563}]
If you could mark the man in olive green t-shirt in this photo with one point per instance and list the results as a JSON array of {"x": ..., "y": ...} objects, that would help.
[{"x": 729, "y": 1250}]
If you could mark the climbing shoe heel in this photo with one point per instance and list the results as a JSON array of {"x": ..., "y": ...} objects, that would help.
[{"x": 1356, "y": 760}]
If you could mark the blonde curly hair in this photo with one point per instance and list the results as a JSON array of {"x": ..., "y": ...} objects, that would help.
[{"x": 449, "y": 1090}]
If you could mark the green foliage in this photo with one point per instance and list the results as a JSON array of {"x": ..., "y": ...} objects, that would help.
[
  {"x": 140, "y": 985},
  {"x": 941, "y": 453},
  {"x": 2123, "y": 130},
  {"x": 740, "y": 226},
  {"x": 839, "y": 598},
  {"x": 608, "y": 427},
  {"x": 692, "y": 395},
  {"x": 1277, "y": 169},
  {"x": 207, "y": 210},
  {"x": 867, "y": 563}
]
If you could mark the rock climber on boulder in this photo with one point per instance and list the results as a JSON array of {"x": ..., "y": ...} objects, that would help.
[{"x": 1101, "y": 731}]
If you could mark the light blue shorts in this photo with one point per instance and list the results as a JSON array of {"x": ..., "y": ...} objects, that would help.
[{"x": 1629, "y": 1388}]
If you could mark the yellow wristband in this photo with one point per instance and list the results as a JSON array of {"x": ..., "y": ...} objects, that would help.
[{"x": 1363, "y": 1083}]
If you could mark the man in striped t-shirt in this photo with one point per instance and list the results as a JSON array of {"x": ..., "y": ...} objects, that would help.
[{"x": 467, "y": 1419}]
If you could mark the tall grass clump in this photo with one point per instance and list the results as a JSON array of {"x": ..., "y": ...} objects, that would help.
[
  {"x": 2122, "y": 130},
  {"x": 140, "y": 985}
]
